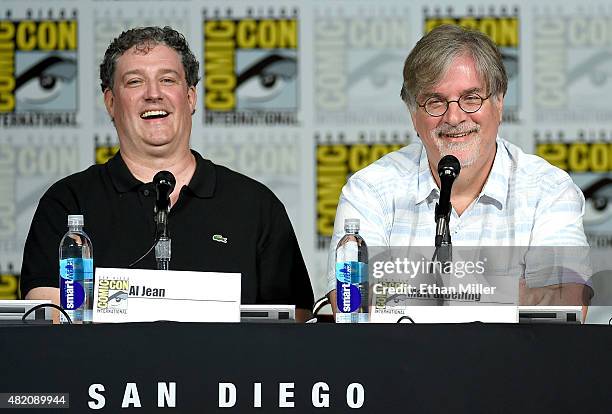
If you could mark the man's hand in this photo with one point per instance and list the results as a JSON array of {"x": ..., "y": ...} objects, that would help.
[
  {"x": 568, "y": 294},
  {"x": 49, "y": 293},
  {"x": 332, "y": 301},
  {"x": 302, "y": 315}
]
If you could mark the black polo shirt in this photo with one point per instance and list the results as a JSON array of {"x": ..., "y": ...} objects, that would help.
[{"x": 118, "y": 211}]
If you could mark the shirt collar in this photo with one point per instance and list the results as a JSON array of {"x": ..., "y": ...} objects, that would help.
[
  {"x": 495, "y": 188},
  {"x": 204, "y": 178},
  {"x": 202, "y": 183},
  {"x": 426, "y": 186},
  {"x": 120, "y": 175}
]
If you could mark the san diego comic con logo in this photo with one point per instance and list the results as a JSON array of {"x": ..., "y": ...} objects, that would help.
[
  {"x": 38, "y": 70},
  {"x": 9, "y": 283},
  {"x": 29, "y": 164},
  {"x": 502, "y": 26},
  {"x": 357, "y": 65},
  {"x": 250, "y": 68},
  {"x": 572, "y": 62},
  {"x": 104, "y": 149},
  {"x": 113, "y": 295},
  {"x": 337, "y": 159},
  {"x": 587, "y": 157}
]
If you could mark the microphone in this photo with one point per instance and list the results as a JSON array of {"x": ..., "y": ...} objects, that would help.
[
  {"x": 448, "y": 170},
  {"x": 164, "y": 183}
]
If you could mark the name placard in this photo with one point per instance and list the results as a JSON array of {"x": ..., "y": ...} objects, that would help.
[{"x": 137, "y": 295}]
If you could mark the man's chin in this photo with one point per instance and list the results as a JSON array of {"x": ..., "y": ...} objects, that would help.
[
  {"x": 467, "y": 152},
  {"x": 466, "y": 158}
]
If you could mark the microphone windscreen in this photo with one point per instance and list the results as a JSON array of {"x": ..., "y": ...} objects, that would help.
[
  {"x": 449, "y": 165},
  {"x": 165, "y": 178}
]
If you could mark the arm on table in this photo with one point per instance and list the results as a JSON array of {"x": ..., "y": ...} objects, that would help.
[
  {"x": 568, "y": 294},
  {"x": 46, "y": 293}
]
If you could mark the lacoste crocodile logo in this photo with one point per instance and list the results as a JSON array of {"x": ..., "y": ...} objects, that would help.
[{"x": 219, "y": 238}]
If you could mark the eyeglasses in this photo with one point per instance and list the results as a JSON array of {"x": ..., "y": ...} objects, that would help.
[{"x": 468, "y": 103}]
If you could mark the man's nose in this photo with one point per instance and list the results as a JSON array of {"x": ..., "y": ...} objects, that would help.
[
  {"x": 153, "y": 91},
  {"x": 454, "y": 115}
]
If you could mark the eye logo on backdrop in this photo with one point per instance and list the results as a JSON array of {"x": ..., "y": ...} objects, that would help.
[
  {"x": 572, "y": 63},
  {"x": 358, "y": 65},
  {"x": 502, "y": 26},
  {"x": 251, "y": 68},
  {"x": 587, "y": 157},
  {"x": 38, "y": 74},
  {"x": 337, "y": 159}
]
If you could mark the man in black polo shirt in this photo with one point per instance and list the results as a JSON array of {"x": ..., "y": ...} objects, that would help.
[{"x": 220, "y": 221}]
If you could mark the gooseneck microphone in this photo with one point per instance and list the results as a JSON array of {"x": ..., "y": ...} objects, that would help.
[
  {"x": 164, "y": 183},
  {"x": 448, "y": 171}
]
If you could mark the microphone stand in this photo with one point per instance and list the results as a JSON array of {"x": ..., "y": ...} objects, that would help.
[
  {"x": 163, "y": 246},
  {"x": 444, "y": 247},
  {"x": 443, "y": 251},
  {"x": 448, "y": 170},
  {"x": 164, "y": 185}
]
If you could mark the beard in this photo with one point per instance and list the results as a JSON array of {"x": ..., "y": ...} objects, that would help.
[{"x": 467, "y": 152}]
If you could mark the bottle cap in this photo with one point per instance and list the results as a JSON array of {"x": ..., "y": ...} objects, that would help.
[
  {"x": 351, "y": 223},
  {"x": 75, "y": 220}
]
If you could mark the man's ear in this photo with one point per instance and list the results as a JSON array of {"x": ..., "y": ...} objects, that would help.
[
  {"x": 109, "y": 102},
  {"x": 412, "y": 116},
  {"x": 499, "y": 101},
  {"x": 192, "y": 98}
]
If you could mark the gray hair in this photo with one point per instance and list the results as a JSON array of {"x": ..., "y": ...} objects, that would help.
[
  {"x": 431, "y": 57},
  {"x": 147, "y": 37}
]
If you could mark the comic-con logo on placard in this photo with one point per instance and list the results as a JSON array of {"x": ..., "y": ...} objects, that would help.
[
  {"x": 38, "y": 74},
  {"x": 337, "y": 158},
  {"x": 572, "y": 62},
  {"x": 502, "y": 25},
  {"x": 358, "y": 60},
  {"x": 251, "y": 68},
  {"x": 587, "y": 157},
  {"x": 113, "y": 295}
]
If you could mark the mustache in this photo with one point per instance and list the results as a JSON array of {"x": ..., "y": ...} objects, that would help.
[{"x": 461, "y": 129}]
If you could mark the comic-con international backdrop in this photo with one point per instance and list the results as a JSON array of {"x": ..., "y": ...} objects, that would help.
[{"x": 298, "y": 95}]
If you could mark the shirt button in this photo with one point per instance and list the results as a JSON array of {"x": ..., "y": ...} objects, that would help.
[{"x": 146, "y": 193}]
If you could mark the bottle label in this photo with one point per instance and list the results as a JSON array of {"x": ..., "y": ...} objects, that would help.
[
  {"x": 73, "y": 273},
  {"x": 351, "y": 272},
  {"x": 349, "y": 275}
]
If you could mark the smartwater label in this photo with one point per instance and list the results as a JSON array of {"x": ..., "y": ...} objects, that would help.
[
  {"x": 73, "y": 272},
  {"x": 349, "y": 275}
]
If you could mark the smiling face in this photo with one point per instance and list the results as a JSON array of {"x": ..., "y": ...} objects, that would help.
[
  {"x": 469, "y": 137},
  {"x": 151, "y": 103}
]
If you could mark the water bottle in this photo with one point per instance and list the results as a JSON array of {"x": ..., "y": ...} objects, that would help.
[
  {"x": 76, "y": 272},
  {"x": 352, "y": 276}
]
